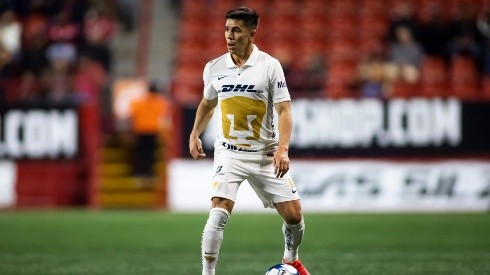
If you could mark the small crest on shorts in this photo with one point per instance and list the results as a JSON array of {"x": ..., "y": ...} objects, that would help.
[{"x": 215, "y": 185}]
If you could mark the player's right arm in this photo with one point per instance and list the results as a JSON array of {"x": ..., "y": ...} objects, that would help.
[{"x": 204, "y": 113}]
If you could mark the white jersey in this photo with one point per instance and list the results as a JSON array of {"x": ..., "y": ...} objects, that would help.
[{"x": 246, "y": 98}]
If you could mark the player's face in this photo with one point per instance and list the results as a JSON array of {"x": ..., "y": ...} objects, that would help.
[{"x": 238, "y": 37}]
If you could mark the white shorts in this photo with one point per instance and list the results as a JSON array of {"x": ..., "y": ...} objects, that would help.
[{"x": 231, "y": 172}]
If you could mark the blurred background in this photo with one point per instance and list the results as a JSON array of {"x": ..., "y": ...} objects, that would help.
[{"x": 391, "y": 102}]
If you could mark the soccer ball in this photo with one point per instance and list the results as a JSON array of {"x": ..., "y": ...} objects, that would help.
[{"x": 282, "y": 269}]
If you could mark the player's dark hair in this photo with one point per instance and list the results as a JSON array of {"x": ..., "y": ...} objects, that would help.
[{"x": 249, "y": 17}]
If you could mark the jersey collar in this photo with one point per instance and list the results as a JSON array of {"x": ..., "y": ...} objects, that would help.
[{"x": 250, "y": 61}]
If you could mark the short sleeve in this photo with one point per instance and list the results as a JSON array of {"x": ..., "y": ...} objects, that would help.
[
  {"x": 278, "y": 84},
  {"x": 209, "y": 90}
]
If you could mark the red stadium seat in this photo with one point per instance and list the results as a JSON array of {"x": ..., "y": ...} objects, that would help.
[
  {"x": 402, "y": 89},
  {"x": 344, "y": 8},
  {"x": 312, "y": 46},
  {"x": 314, "y": 25},
  {"x": 433, "y": 77},
  {"x": 339, "y": 79},
  {"x": 424, "y": 8},
  {"x": 485, "y": 88},
  {"x": 464, "y": 91},
  {"x": 464, "y": 78},
  {"x": 333, "y": 91},
  {"x": 373, "y": 8},
  {"x": 192, "y": 27},
  {"x": 259, "y": 5},
  {"x": 220, "y": 7},
  {"x": 188, "y": 85},
  {"x": 342, "y": 29},
  {"x": 284, "y": 7},
  {"x": 314, "y": 8},
  {"x": 344, "y": 51},
  {"x": 11, "y": 89},
  {"x": 193, "y": 9},
  {"x": 373, "y": 27},
  {"x": 370, "y": 45}
]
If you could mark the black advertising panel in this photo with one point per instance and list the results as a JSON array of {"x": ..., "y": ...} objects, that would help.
[
  {"x": 376, "y": 128},
  {"x": 39, "y": 133}
]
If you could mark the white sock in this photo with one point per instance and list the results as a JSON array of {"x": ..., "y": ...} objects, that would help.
[
  {"x": 293, "y": 235},
  {"x": 212, "y": 237}
]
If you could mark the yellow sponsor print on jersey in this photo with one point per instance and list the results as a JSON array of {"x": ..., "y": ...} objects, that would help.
[
  {"x": 242, "y": 118},
  {"x": 215, "y": 185}
]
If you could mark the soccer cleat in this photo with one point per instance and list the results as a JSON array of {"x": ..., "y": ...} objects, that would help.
[{"x": 298, "y": 265}]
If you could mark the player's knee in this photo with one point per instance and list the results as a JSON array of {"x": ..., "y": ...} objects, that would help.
[
  {"x": 223, "y": 203},
  {"x": 218, "y": 217},
  {"x": 294, "y": 218}
]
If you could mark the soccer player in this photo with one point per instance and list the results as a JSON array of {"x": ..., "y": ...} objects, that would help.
[{"x": 247, "y": 84}]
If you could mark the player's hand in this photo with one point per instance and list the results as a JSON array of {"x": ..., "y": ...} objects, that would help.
[
  {"x": 281, "y": 163},
  {"x": 195, "y": 148}
]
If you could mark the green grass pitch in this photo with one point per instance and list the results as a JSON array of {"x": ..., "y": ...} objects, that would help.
[{"x": 157, "y": 242}]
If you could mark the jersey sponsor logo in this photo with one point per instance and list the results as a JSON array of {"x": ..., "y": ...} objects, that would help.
[
  {"x": 239, "y": 88},
  {"x": 221, "y": 77},
  {"x": 236, "y": 148},
  {"x": 281, "y": 84}
]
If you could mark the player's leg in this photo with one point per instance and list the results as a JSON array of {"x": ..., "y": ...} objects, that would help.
[
  {"x": 293, "y": 229},
  {"x": 282, "y": 194},
  {"x": 212, "y": 236},
  {"x": 228, "y": 177}
]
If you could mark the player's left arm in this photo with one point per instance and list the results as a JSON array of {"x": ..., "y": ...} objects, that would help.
[{"x": 285, "y": 121}]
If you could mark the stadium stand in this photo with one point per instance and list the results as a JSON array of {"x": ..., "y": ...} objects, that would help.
[
  {"x": 342, "y": 34},
  {"x": 63, "y": 50},
  {"x": 56, "y": 54}
]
